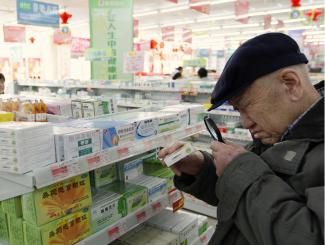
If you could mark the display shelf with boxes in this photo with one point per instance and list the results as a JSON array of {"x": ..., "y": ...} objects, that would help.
[
  {"x": 187, "y": 87},
  {"x": 84, "y": 158}
]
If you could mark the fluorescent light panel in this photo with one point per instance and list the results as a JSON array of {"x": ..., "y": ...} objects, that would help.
[{"x": 146, "y": 13}]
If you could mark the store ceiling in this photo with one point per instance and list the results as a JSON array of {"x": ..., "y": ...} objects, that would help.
[{"x": 150, "y": 25}]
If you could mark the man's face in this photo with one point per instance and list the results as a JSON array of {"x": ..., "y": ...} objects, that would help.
[{"x": 263, "y": 111}]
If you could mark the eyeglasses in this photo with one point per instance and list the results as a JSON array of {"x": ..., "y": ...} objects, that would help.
[{"x": 213, "y": 129}]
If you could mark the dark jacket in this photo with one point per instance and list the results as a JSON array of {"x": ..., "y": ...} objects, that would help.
[{"x": 274, "y": 196}]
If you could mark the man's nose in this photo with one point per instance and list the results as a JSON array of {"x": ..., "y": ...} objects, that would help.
[{"x": 246, "y": 121}]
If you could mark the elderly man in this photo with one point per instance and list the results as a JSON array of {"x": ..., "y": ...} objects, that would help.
[{"x": 274, "y": 193}]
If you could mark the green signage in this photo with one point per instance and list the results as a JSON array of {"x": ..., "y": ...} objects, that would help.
[{"x": 111, "y": 28}]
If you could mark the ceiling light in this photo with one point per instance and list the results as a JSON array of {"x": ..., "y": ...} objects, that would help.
[
  {"x": 240, "y": 26},
  {"x": 221, "y": 2},
  {"x": 217, "y": 18},
  {"x": 206, "y": 29},
  {"x": 200, "y": 3},
  {"x": 313, "y": 32},
  {"x": 145, "y": 13},
  {"x": 178, "y": 23},
  {"x": 148, "y": 27},
  {"x": 295, "y": 28},
  {"x": 168, "y": 10},
  {"x": 256, "y": 32},
  {"x": 226, "y": 34},
  {"x": 312, "y": 7}
]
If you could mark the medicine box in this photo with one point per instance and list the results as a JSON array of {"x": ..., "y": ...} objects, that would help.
[
  {"x": 179, "y": 154},
  {"x": 67, "y": 230},
  {"x": 25, "y": 146},
  {"x": 135, "y": 197},
  {"x": 107, "y": 208},
  {"x": 12, "y": 207},
  {"x": 156, "y": 187},
  {"x": 72, "y": 143},
  {"x": 180, "y": 223},
  {"x": 103, "y": 176},
  {"x": 76, "y": 108},
  {"x": 55, "y": 201},
  {"x": 15, "y": 228},
  {"x": 4, "y": 235},
  {"x": 130, "y": 168}
]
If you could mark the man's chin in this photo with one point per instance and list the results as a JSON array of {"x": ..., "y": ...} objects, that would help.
[{"x": 268, "y": 141}]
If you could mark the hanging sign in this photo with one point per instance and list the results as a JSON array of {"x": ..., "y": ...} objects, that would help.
[
  {"x": 242, "y": 8},
  {"x": 267, "y": 21},
  {"x": 135, "y": 28},
  {"x": 133, "y": 62},
  {"x": 62, "y": 36},
  {"x": 79, "y": 46},
  {"x": 111, "y": 24},
  {"x": 187, "y": 35},
  {"x": 14, "y": 34},
  {"x": 168, "y": 33},
  {"x": 30, "y": 12},
  {"x": 200, "y": 6}
]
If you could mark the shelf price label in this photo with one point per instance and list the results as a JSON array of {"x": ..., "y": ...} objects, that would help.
[
  {"x": 123, "y": 151},
  {"x": 59, "y": 172},
  {"x": 113, "y": 233},
  {"x": 177, "y": 199},
  {"x": 188, "y": 130},
  {"x": 141, "y": 216},
  {"x": 156, "y": 207},
  {"x": 93, "y": 161}
]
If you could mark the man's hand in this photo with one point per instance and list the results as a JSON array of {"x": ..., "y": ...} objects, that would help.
[
  {"x": 224, "y": 153},
  {"x": 190, "y": 165}
]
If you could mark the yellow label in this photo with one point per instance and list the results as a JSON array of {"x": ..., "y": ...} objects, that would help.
[
  {"x": 68, "y": 230},
  {"x": 57, "y": 200}
]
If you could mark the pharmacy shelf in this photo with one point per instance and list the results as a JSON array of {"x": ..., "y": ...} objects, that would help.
[
  {"x": 198, "y": 206},
  {"x": 244, "y": 138},
  {"x": 134, "y": 88},
  {"x": 59, "y": 171},
  {"x": 11, "y": 189},
  {"x": 224, "y": 113},
  {"x": 127, "y": 223},
  {"x": 204, "y": 238}
]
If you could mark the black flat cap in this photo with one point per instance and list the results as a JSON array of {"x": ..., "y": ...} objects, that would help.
[{"x": 255, "y": 58}]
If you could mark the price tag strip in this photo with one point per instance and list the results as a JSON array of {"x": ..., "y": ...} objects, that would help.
[{"x": 60, "y": 171}]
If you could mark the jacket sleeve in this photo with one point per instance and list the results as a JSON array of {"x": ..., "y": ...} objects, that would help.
[
  {"x": 202, "y": 186},
  {"x": 266, "y": 209}
]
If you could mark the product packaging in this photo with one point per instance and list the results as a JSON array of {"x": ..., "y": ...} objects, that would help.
[
  {"x": 130, "y": 168},
  {"x": 15, "y": 228},
  {"x": 156, "y": 187},
  {"x": 107, "y": 208},
  {"x": 103, "y": 176},
  {"x": 67, "y": 230},
  {"x": 135, "y": 197},
  {"x": 72, "y": 143},
  {"x": 52, "y": 202},
  {"x": 12, "y": 207},
  {"x": 179, "y": 154},
  {"x": 25, "y": 146}
]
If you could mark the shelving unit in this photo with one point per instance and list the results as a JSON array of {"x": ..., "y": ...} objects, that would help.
[
  {"x": 56, "y": 172},
  {"x": 127, "y": 223},
  {"x": 205, "y": 237}
]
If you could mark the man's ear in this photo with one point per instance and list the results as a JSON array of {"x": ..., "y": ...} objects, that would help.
[{"x": 291, "y": 81}]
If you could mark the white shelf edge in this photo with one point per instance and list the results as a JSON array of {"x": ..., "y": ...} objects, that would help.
[
  {"x": 169, "y": 90},
  {"x": 119, "y": 228},
  {"x": 11, "y": 189},
  {"x": 56, "y": 172}
]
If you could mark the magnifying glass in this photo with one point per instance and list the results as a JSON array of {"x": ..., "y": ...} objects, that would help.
[{"x": 213, "y": 129}]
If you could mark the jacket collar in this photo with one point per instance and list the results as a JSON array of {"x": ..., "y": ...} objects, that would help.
[{"x": 311, "y": 126}]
